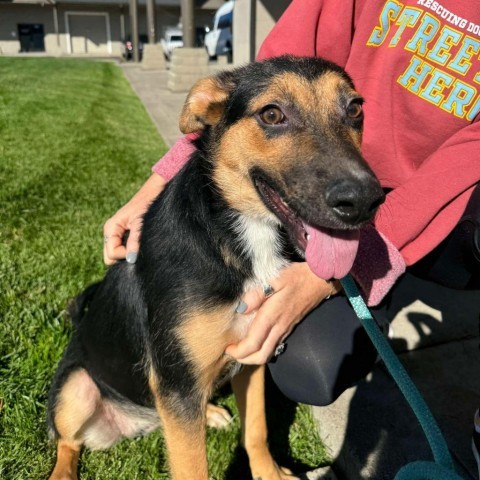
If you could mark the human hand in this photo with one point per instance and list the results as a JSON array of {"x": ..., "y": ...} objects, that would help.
[
  {"x": 297, "y": 291},
  {"x": 129, "y": 217}
]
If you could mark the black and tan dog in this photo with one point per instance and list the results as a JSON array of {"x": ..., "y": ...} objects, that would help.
[{"x": 278, "y": 166}]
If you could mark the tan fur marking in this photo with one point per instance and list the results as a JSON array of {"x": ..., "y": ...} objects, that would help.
[
  {"x": 356, "y": 137},
  {"x": 204, "y": 105},
  {"x": 75, "y": 406},
  {"x": 205, "y": 336},
  {"x": 185, "y": 440},
  {"x": 318, "y": 98},
  {"x": 230, "y": 259},
  {"x": 67, "y": 461},
  {"x": 186, "y": 444},
  {"x": 249, "y": 389},
  {"x": 329, "y": 86},
  {"x": 275, "y": 156},
  {"x": 154, "y": 387},
  {"x": 77, "y": 403}
]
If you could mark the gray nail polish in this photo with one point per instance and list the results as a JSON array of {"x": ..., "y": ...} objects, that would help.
[
  {"x": 241, "y": 307},
  {"x": 131, "y": 257}
]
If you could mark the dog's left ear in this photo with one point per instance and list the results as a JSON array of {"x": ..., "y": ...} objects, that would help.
[{"x": 206, "y": 102}]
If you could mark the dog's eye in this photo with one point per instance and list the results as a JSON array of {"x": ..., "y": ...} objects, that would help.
[
  {"x": 272, "y": 116},
  {"x": 355, "y": 110}
]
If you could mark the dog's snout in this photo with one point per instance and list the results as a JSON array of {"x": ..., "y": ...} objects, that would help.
[{"x": 354, "y": 201}]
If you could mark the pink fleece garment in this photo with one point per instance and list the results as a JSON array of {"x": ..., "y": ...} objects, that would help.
[
  {"x": 173, "y": 161},
  {"x": 378, "y": 265}
]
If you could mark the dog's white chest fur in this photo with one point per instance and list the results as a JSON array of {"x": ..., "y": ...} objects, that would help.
[{"x": 260, "y": 241}]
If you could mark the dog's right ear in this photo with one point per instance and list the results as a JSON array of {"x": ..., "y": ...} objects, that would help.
[{"x": 206, "y": 102}]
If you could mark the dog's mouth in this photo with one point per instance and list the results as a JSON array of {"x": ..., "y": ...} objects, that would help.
[{"x": 330, "y": 253}]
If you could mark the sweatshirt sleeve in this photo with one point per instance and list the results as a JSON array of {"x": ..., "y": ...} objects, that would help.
[
  {"x": 378, "y": 265},
  {"x": 173, "y": 161},
  {"x": 419, "y": 214},
  {"x": 295, "y": 32}
]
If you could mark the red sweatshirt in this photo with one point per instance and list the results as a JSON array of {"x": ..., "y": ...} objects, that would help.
[{"x": 416, "y": 63}]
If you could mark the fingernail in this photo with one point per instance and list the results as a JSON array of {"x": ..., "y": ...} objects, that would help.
[
  {"x": 241, "y": 307},
  {"x": 131, "y": 257}
]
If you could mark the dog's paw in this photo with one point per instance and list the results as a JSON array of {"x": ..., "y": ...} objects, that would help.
[
  {"x": 286, "y": 474},
  {"x": 322, "y": 473},
  {"x": 217, "y": 417},
  {"x": 276, "y": 472}
]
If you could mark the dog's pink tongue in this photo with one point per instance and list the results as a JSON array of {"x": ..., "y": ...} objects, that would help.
[{"x": 331, "y": 253}]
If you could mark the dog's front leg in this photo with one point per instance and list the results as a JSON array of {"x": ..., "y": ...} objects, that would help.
[
  {"x": 184, "y": 430},
  {"x": 249, "y": 389},
  {"x": 185, "y": 439}
]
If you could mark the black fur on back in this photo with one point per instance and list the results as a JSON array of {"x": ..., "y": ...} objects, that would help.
[{"x": 78, "y": 306}]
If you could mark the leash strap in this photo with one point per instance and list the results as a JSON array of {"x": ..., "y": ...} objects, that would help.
[{"x": 443, "y": 468}]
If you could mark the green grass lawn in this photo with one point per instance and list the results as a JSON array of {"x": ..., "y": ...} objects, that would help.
[{"x": 75, "y": 144}]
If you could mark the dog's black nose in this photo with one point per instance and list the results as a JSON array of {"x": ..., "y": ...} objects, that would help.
[{"x": 354, "y": 201}]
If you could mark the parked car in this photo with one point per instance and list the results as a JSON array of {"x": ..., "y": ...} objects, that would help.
[
  {"x": 218, "y": 41},
  {"x": 172, "y": 38},
  {"x": 128, "y": 46}
]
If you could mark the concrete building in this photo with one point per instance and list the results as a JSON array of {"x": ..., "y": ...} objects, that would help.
[
  {"x": 85, "y": 27},
  {"x": 252, "y": 20},
  {"x": 99, "y": 27}
]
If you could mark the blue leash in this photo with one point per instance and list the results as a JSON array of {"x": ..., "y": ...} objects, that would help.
[{"x": 443, "y": 467}]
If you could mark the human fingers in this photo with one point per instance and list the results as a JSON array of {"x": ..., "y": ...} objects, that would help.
[
  {"x": 254, "y": 298},
  {"x": 113, "y": 248},
  {"x": 133, "y": 241},
  {"x": 295, "y": 294},
  {"x": 265, "y": 352},
  {"x": 289, "y": 277},
  {"x": 294, "y": 307},
  {"x": 273, "y": 322},
  {"x": 298, "y": 279},
  {"x": 258, "y": 333}
]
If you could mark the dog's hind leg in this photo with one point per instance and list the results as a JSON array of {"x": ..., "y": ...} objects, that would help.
[
  {"x": 80, "y": 415},
  {"x": 73, "y": 406},
  {"x": 67, "y": 461},
  {"x": 249, "y": 389}
]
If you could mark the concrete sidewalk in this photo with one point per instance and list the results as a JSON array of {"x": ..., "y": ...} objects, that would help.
[
  {"x": 162, "y": 105},
  {"x": 370, "y": 431}
]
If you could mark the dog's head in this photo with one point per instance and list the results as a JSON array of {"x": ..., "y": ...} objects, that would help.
[{"x": 284, "y": 136}]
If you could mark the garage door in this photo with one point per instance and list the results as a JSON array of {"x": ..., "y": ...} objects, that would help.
[{"x": 88, "y": 34}]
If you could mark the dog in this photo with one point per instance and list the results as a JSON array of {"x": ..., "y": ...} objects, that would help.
[{"x": 278, "y": 174}]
